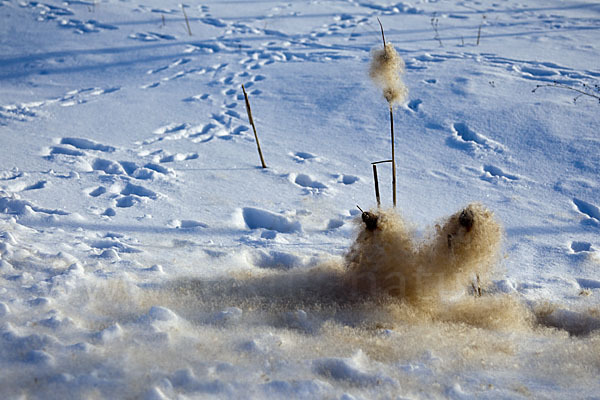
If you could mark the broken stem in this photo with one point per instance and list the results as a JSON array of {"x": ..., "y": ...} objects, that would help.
[
  {"x": 262, "y": 160},
  {"x": 376, "y": 180},
  {"x": 381, "y": 162}
]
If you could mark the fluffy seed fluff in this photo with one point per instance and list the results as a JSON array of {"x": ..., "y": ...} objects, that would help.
[
  {"x": 386, "y": 68},
  {"x": 389, "y": 260}
]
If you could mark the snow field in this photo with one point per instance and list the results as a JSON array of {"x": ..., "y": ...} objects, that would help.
[{"x": 144, "y": 253}]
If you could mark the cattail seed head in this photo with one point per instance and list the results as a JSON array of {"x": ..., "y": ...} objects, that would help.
[{"x": 386, "y": 68}]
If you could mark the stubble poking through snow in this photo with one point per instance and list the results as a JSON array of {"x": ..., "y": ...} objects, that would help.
[{"x": 386, "y": 69}]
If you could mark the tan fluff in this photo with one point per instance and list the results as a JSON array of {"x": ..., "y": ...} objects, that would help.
[
  {"x": 386, "y": 68},
  {"x": 389, "y": 261}
]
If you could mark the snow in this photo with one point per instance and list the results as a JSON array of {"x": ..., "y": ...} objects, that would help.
[{"x": 145, "y": 254}]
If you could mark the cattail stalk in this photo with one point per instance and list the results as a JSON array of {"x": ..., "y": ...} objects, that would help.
[
  {"x": 262, "y": 160},
  {"x": 393, "y": 156},
  {"x": 187, "y": 22},
  {"x": 376, "y": 180},
  {"x": 391, "y": 127},
  {"x": 386, "y": 68}
]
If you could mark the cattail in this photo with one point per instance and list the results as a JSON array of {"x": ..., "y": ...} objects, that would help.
[{"x": 386, "y": 68}]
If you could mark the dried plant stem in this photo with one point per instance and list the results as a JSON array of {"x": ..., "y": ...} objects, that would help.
[
  {"x": 381, "y": 162},
  {"x": 587, "y": 91},
  {"x": 435, "y": 24},
  {"x": 479, "y": 30},
  {"x": 187, "y": 22},
  {"x": 391, "y": 128},
  {"x": 382, "y": 34},
  {"x": 376, "y": 180},
  {"x": 262, "y": 160},
  {"x": 393, "y": 156}
]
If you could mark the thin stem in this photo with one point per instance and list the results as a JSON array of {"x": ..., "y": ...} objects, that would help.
[
  {"x": 376, "y": 180},
  {"x": 262, "y": 160},
  {"x": 563, "y": 86},
  {"x": 393, "y": 156},
  {"x": 381, "y": 162},
  {"x": 382, "y": 34},
  {"x": 187, "y": 22}
]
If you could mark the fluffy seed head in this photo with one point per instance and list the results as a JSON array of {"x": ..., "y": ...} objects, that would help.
[
  {"x": 390, "y": 260},
  {"x": 386, "y": 68}
]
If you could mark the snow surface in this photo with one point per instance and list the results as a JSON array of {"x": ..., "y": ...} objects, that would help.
[{"x": 144, "y": 253}]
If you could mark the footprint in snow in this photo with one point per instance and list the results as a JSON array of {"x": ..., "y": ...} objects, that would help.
[
  {"x": 346, "y": 179},
  {"x": 99, "y": 191},
  {"x": 86, "y": 144},
  {"x": 256, "y": 218},
  {"x": 303, "y": 157},
  {"x": 591, "y": 211},
  {"x": 307, "y": 182},
  {"x": 494, "y": 174},
  {"x": 36, "y": 186},
  {"x": 168, "y": 158},
  {"x": 414, "y": 105},
  {"x": 177, "y": 62},
  {"x": 186, "y": 224},
  {"x": 580, "y": 247},
  {"x": 465, "y": 138},
  {"x": 150, "y": 36}
]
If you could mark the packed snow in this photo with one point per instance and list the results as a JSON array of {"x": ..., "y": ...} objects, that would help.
[{"x": 144, "y": 253}]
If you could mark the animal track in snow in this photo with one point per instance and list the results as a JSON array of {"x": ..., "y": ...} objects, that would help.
[
  {"x": 256, "y": 218},
  {"x": 186, "y": 224},
  {"x": 36, "y": 186},
  {"x": 83, "y": 27},
  {"x": 588, "y": 283},
  {"x": 126, "y": 202},
  {"x": 108, "y": 166},
  {"x": 177, "y": 62},
  {"x": 414, "y": 104},
  {"x": 493, "y": 174},
  {"x": 273, "y": 259},
  {"x": 140, "y": 191},
  {"x": 150, "y": 36},
  {"x": 579, "y": 247},
  {"x": 86, "y": 144},
  {"x": 149, "y": 171},
  {"x": 302, "y": 157},
  {"x": 15, "y": 206},
  {"x": 167, "y": 158},
  {"x": 67, "y": 151},
  {"x": 100, "y": 190},
  {"x": 27, "y": 111},
  {"x": 346, "y": 179},
  {"x": 464, "y": 138},
  {"x": 307, "y": 182},
  {"x": 116, "y": 245},
  {"x": 591, "y": 211},
  {"x": 10, "y": 175},
  {"x": 197, "y": 98},
  {"x": 47, "y": 12}
]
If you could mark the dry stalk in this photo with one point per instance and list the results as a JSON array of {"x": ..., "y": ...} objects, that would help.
[
  {"x": 262, "y": 160},
  {"x": 391, "y": 128},
  {"x": 479, "y": 30},
  {"x": 586, "y": 91},
  {"x": 376, "y": 180},
  {"x": 187, "y": 22}
]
